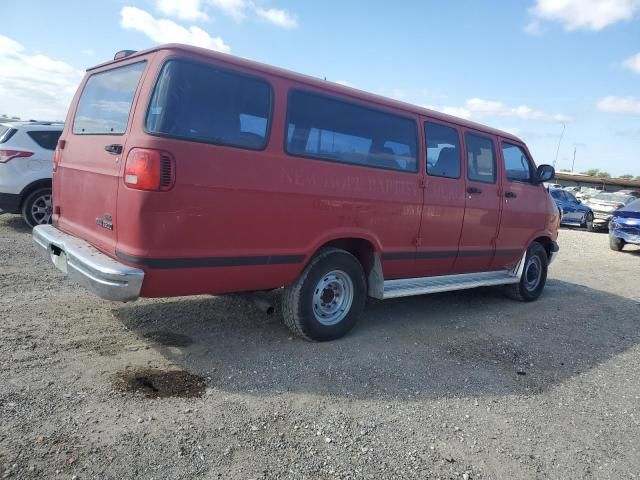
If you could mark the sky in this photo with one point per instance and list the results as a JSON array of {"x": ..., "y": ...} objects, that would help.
[{"x": 530, "y": 67}]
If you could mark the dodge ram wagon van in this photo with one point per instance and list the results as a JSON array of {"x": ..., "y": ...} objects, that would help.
[{"x": 183, "y": 171}]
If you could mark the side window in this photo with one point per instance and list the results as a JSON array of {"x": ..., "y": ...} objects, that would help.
[
  {"x": 481, "y": 158},
  {"x": 331, "y": 129},
  {"x": 516, "y": 163},
  {"x": 570, "y": 197},
  {"x": 443, "y": 151},
  {"x": 204, "y": 103},
  {"x": 47, "y": 139},
  {"x": 557, "y": 195}
]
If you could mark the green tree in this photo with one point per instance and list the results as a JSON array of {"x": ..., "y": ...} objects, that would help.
[
  {"x": 626, "y": 176},
  {"x": 592, "y": 172},
  {"x": 604, "y": 174}
]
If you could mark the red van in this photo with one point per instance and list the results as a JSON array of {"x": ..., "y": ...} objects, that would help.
[{"x": 182, "y": 171}]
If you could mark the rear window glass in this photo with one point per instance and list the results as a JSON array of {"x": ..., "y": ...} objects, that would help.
[
  {"x": 331, "y": 129},
  {"x": 105, "y": 103},
  {"x": 193, "y": 101},
  {"x": 46, "y": 139},
  {"x": 6, "y": 133},
  {"x": 613, "y": 197}
]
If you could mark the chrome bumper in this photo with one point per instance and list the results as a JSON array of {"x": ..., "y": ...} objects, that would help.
[
  {"x": 554, "y": 252},
  {"x": 97, "y": 272}
]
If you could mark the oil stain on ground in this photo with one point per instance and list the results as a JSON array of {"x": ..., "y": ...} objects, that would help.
[{"x": 156, "y": 383}]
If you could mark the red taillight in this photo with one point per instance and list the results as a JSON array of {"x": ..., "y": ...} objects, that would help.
[
  {"x": 6, "y": 155},
  {"x": 150, "y": 170}
]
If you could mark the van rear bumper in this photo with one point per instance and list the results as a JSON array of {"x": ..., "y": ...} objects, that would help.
[{"x": 97, "y": 272}]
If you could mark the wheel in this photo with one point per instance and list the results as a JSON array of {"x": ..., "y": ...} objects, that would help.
[
  {"x": 534, "y": 275},
  {"x": 587, "y": 222},
  {"x": 37, "y": 207},
  {"x": 615, "y": 243},
  {"x": 326, "y": 300}
]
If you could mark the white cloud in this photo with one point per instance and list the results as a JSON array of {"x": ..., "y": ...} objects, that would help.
[
  {"x": 34, "y": 86},
  {"x": 280, "y": 18},
  {"x": 585, "y": 14},
  {"x": 182, "y": 9},
  {"x": 632, "y": 63},
  {"x": 613, "y": 104},
  {"x": 167, "y": 31},
  {"x": 88, "y": 51},
  {"x": 478, "y": 108},
  {"x": 237, "y": 9}
]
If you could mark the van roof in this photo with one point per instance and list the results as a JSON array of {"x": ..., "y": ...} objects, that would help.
[{"x": 315, "y": 82}]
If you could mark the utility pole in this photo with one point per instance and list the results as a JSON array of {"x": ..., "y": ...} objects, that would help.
[
  {"x": 573, "y": 164},
  {"x": 559, "y": 141}
]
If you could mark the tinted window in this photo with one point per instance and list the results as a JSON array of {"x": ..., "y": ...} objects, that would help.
[
  {"x": 204, "y": 103},
  {"x": 46, "y": 139},
  {"x": 570, "y": 197},
  {"x": 556, "y": 194},
  {"x": 516, "y": 163},
  {"x": 481, "y": 159},
  {"x": 330, "y": 129},
  {"x": 105, "y": 103},
  {"x": 443, "y": 151}
]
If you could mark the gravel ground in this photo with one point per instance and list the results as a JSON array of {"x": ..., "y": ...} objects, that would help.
[{"x": 464, "y": 385}]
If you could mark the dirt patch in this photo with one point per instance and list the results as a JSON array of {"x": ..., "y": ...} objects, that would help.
[
  {"x": 169, "y": 339},
  {"x": 156, "y": 383}
]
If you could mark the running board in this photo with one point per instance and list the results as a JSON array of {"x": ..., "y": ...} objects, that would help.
[{"x": 447, "y": 283}]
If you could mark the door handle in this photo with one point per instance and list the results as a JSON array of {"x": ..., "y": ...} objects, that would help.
[
  {"x": 471, "y": 190},
  {"x": 511, "y": 194},
  {"x": 114, "y": 149}
]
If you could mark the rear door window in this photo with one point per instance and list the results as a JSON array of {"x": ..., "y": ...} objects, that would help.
[
  {"x": 481, "y": 158},
  {"x": 205, "y": 103},
  {"x": 331, "y": 129},
  {"x": 516, "y": 163},
  {"x": 47, "y": 139},
  {"x": 443, "y": 151},
  {"x": 105, "y": 102}
]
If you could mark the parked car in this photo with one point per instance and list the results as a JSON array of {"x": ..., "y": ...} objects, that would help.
[
  {"x": 633, "y": 193},
  {"x": 573, "y": 190},
  {"x": 573, "y": 210},
  {"x": 552, "y": 185},
  {"x": 625, "y": 226},
  {"x": 216, "y": 174},
  {"x": 603, "y": 205},
  {"x": 587, "y": 192},
  {"x": 26, "y": 162}
]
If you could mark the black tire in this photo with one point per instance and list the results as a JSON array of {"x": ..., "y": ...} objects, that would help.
[
  {"x": 36, "y": 208},
  {"x": 526, "y": 290},
  {"x": 616, "y": 244},
  {"x": 299, "y": 303},
  {"x": 587, "y": 222}
]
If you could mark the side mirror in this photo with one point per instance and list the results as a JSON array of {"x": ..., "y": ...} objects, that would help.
[{"x": 545, "y": 173}]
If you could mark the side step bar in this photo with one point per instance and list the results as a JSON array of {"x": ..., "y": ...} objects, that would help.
[{"x": 446, "y": 283}]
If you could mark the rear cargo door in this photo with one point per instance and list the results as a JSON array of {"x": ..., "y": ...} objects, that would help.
[{"x": 88, "y": 174}]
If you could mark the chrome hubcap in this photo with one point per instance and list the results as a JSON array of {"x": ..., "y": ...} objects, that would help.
[
  {"x": 532, "y": 273},
  {"x": 332, "y": 297},
  {"x": 41, "y": 209}
]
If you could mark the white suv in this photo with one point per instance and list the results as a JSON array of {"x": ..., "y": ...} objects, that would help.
[{"x": 26, "y": 166}]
